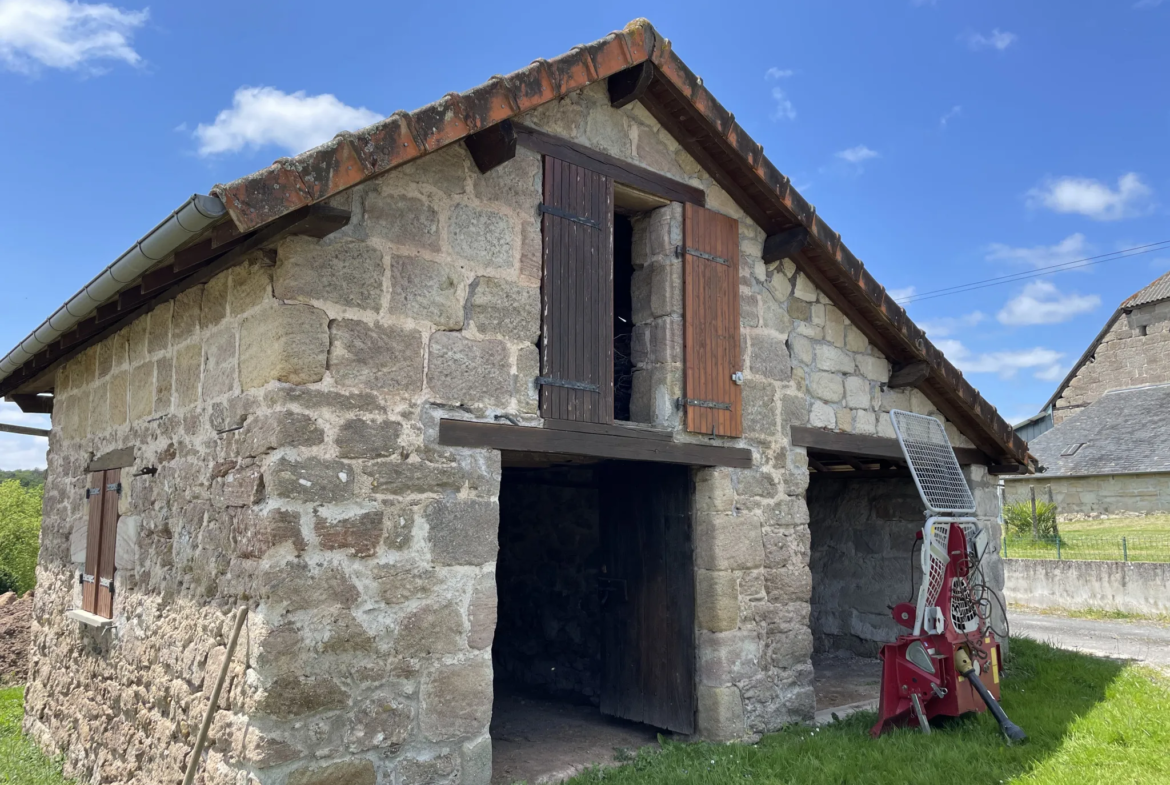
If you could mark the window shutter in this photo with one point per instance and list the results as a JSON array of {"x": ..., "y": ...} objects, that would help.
[
  {"x": 89, "y": 584},
  {"x": 576, "y": 380},
  {"x": 711, "y": 323},
  {"x": 111, "y": 491}
]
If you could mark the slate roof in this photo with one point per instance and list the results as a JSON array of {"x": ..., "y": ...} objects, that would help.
[
  {"x": 677, "y": 98},
  {"x": 1122, "y": 432}
]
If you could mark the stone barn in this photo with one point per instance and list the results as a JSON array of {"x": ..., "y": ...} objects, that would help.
[{"x": 551, "y": 399}]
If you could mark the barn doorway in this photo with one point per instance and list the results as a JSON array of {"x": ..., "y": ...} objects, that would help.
[
  {"x": 863, "y": 532},
  {"x": 594, "y": 649}
]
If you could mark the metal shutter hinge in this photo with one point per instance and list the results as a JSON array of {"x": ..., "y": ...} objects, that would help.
[
  {"x": 737, "y": 377},
  {"x": 708, "y": 256},
  {"x": 551, "y": 382},
  {"x": 704, "y": 404},
  {"x": 559, "y": 213},
  {"x": 84, "y": 579},
  {"x": 114, "y": 487},
  {"x": 92, "y": 492}
]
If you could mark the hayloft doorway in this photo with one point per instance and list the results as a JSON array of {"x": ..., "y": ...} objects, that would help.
[
  {"x": 862, "y": 537},
  {"x": 594, "y": 648}
]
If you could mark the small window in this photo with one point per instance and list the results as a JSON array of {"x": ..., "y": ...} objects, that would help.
[{"x": 1071, "y": 449}]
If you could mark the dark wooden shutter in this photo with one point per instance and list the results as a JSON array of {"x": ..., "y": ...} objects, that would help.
[
  {"x": 111, "y": 491},
  {"x": 576, "y": 379},
  {"x": 711, "y": 323},
  {"x": 647, "y": 589},
  {"x": 97, "y": 579},
  {"x": 93, "y": 541}
]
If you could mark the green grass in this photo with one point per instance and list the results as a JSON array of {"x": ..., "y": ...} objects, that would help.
[
  {"x": 1089, "y": 721},
  {"x": 1120, "y": 527},
  {"x": 21, "y": 761}
]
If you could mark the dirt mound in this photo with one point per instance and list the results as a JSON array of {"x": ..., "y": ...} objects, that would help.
[{"x": 15, "y": 620}]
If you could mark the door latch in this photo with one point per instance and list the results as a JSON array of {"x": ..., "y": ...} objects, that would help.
[{"x": 737, "y": 377}]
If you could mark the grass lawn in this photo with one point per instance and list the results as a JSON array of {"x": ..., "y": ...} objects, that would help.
[
  {"x": 21, "y": 761},
  {"x": 1120, "y": 527},
  {"x": 1088, "y": 720}
]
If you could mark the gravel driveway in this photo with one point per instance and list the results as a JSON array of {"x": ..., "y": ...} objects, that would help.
[{"x": 1148, "y": 643}]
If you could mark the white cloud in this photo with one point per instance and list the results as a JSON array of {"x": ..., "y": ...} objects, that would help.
[
  {"x": 1093, "y": 198},
  {"x": 22, "y": 452},
  {"x": 1070, "y": 249},
  {"x": 856, "y": 155},
  {"x": 951, "y": 114},
  {"x": 998, "y": 39},
  {"x": 905, "y": 293},
  {"x": 58, "y": 34},
  {"x": 1042, "y": 303},
  {"x": 784, "y": 109},
  {"x": 1140, "y": 4},
  {"x": 1005, "y": 364},
  {"x": 949, "y": 325},
  {"x": 266, "y": 116}
]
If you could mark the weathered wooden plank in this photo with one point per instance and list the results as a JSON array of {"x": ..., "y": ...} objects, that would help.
[
  {"x": 855, "y": 444},
  {"x": 629, "y": 85},
  {"x": 93, "y": 540},
  {"x": 492, "y": 146},
  {"x": 909, "y": 375},
  {"x": 608, "y": 165},
  {"x": 115, "y": 459},
  {"x": 465, "y": 433},
  {"x": 109, "y": 540},
  {"x": 23, "y": 430},
  {"x": 622, "y": 429},
  {"x": 34, "y": 404}
]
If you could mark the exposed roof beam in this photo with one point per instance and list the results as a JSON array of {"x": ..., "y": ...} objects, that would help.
[
  {"x": 628, "y": 86},
  {"x": 909, "y": 374},
  {"x": 23, "y": 430},
  {"x": 492, "y": 146},
  {"x": 783, "y": 245}
]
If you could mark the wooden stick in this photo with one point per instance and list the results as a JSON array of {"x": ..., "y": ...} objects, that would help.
[
  {"x": 23, "y": 430},
  {"x": 241, "y": 615}
]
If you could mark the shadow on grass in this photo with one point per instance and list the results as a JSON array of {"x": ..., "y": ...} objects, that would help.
[{"x": 1046, "y": 691}]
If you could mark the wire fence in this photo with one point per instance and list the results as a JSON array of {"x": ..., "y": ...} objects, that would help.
[{"x": 1088, "y": 547}]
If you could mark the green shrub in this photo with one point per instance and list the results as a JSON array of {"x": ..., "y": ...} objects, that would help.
[
  {"x": 1017, "y": 518},
  {"x": 20, "y": 528}
]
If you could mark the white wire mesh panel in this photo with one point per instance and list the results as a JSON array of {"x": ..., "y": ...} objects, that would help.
[
  {"x": 932, "y": 462},
  {"x": 964, "y": 615}
]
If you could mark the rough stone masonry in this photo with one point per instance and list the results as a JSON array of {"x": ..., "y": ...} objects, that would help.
[{"x": 291, "y": 412}]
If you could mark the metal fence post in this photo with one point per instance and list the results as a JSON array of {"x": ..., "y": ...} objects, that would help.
[
  {"x": 1058, "y": 547},
  {"x": 1035, "y": 524},
  {"x": 1124, "y": 550}
]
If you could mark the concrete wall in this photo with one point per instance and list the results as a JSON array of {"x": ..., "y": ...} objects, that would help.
[
  {"x": 1105, "y": 496},
  {"x": 1078, "y": 585},
  {"x": 1135, "y": 351}
]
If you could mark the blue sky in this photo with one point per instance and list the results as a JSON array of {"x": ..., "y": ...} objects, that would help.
[{"x": 947, "y": 141}]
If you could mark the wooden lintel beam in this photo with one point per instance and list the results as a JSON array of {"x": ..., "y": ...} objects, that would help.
[
  {"x": 466, "y": 433},
  {"x": 621, "y": 171},
  {"x": 492, "y": 146},
  {"x": 858, "y": 445},
  {"x": 23, "y": 430},
  {"x": 1007, "y": 468},
  {"x": 629, "y": 85},
  {"x": 783, "y": 245},
  {"x": 33, "y": 404},
  {"x": 909, "y": 374}
]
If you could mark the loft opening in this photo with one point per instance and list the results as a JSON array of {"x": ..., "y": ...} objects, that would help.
[{"x": 594, "y": 636}]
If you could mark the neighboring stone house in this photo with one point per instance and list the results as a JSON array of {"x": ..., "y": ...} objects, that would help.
[
  {"x": 1132, "y": 349},
  {"x": 554, "y": 384},
  {"x": 1111, "y": 459}
]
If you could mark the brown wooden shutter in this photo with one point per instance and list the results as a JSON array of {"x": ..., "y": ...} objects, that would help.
[
  {"x": 711, "y": 323},
  {"x": 111, "y": 491},
  {"x": 576, "y": 379},
  {"x": 89, "y": 584},
  {"x": 97, "y": 578}
]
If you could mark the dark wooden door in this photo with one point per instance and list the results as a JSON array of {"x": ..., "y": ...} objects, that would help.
[{"x": 648, "y": 595}]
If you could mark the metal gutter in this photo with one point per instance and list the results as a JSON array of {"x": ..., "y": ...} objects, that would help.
[{"x": 188, "y": 220}]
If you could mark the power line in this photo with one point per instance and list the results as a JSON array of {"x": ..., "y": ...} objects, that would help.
[{"x": 1076, "y": 264}]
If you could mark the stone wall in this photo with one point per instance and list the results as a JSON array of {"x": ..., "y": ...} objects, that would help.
[
  {"x": 863, "y": 532},
  {"x": 1135, "y": 351},
  {"x": 1102, "y": 496},
  {"x": 548, "y": 633},
  {"x": 292, "y": 414}
]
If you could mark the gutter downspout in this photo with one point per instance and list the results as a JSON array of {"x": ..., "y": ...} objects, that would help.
[{"x": 191, "y": 218}]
